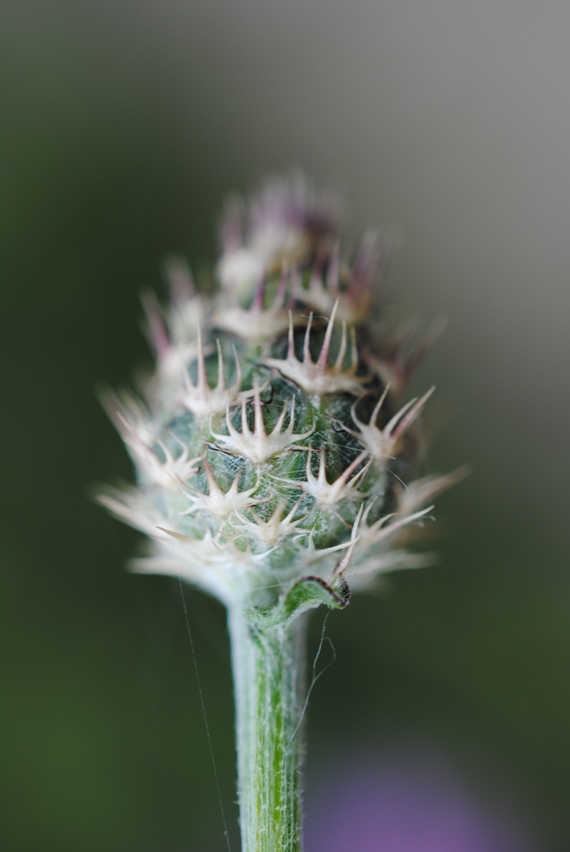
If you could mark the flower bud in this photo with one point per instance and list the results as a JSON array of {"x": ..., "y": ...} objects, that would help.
[{"x": 276, "y": 458}]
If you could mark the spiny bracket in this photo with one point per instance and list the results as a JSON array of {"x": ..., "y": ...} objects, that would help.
[
  {"x": 329, "y": 493},
  {"x": 203, "y": 400},
  {"x": 217, "y": 502},
  {"x": 385, "y": 526},
  {"x": 257, "y": 324},
  {"x": 255, "y": 444},
  {"x": 163, "y": 472},
  {"x": 422, "y": 491},
  {"x": 319, "y": 378},
  {"x": 352, "y": 286},
  {"x": 277, "y": 526},
  {"x": 381, "y": 443}
]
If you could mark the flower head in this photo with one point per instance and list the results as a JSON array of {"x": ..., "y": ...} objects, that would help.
[{"x": 276, "y": 461}]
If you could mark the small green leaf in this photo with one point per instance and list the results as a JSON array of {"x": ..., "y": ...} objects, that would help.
[{"x": 305, "y": 594}]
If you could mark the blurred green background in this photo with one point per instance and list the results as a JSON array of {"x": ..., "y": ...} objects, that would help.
[{"x": 124, "y": 123}]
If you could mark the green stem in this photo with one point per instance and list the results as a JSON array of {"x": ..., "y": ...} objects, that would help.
[{"x": 269, "y": 683}]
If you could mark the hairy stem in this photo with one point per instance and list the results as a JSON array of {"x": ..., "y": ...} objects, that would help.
[{"x": 268, "y": 667}]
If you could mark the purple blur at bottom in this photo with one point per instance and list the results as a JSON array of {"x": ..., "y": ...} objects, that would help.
[{"x": 409, "y": 806}]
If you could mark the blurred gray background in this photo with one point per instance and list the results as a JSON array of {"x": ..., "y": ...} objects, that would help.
[{"x": 123, "y": 126}]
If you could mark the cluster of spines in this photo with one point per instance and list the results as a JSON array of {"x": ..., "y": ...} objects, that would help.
[{"x": 269, "y": 443}]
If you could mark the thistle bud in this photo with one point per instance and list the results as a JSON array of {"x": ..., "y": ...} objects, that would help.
[{"x": 275, "y": 454}]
